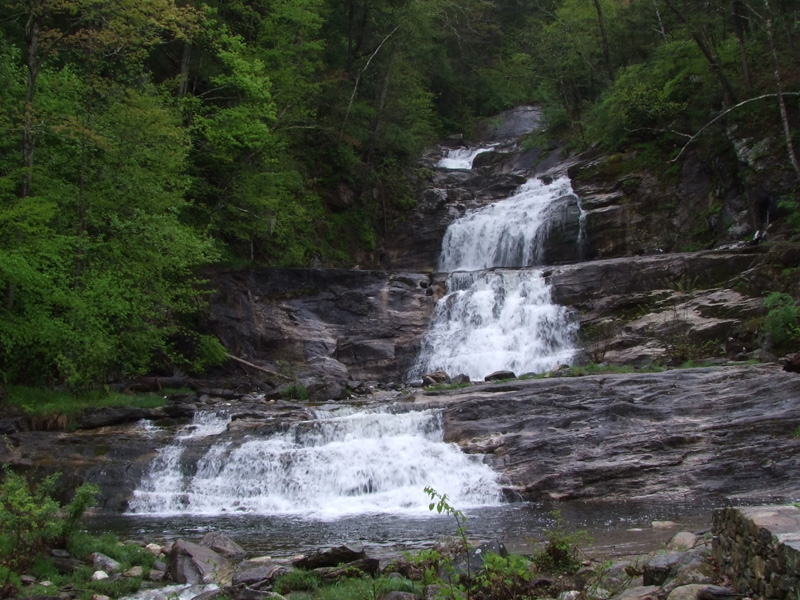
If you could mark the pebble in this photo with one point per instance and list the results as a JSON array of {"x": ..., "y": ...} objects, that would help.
[{"x": 99, "y": 575}]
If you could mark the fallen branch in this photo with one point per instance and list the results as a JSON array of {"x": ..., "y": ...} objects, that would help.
[
  {"x": 725, "y": 112},
  {"x": 257, "y": 368}
]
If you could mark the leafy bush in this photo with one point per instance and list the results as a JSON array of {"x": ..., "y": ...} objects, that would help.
[
  {"x": 31, "y": 521},
  {"x": 560, "y": 554},
  {"x": 781, "y": 322},
  {"x": 503, "y": 577}
]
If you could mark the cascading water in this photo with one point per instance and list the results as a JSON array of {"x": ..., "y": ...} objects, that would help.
[
  {"x": 461, "y": 158},
  {"x": 492, "y": 320},
  {"x": 348, "y": 462}
]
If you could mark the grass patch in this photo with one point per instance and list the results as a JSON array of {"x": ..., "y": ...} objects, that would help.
[{"x": 43, "y": 402}]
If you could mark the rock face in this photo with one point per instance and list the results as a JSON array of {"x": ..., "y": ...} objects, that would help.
[
  {"x": 687, "y": 433},
  {"x": 341, "y": 325}
]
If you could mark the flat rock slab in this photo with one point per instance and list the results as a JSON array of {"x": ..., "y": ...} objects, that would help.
[{"x": 677, "y": 435}]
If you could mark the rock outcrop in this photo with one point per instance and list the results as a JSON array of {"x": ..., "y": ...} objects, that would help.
[
  {"x": 328, "y": 324},
  {"x": 691, "y": 433}
]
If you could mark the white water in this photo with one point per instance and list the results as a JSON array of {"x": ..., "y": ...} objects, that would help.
[
  {"x": 460, "y": 158},
  {"x": 508, "y": 233},
  {"x": 499, "y": 320},
  {"x": 496, "y": 320},
  {"x": 341, "y": 464}
]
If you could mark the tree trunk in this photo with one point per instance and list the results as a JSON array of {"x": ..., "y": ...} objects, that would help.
[
  {"x": 787, "y": 131},
  {"x": 606, "y": 52},
  {"x": 742, "y": 27},
  {"x": 183, "y": 84},
  {"x": 700, "y": 38},
  {"x": 32, "y": 29},
  {"x": 660, "y": 22}
]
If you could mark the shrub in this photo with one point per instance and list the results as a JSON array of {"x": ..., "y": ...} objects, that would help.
[
  {"x": 31, "y": 521},
  {"x": 781, "y": 322},
  {"x": 560, "y": 554}
]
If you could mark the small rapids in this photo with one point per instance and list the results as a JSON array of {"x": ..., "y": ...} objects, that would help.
[{"x": 345, "y": 463}]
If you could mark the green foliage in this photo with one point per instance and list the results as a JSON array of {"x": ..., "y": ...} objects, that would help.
[
  {"x": 296, "y": 580},
  {"x": 31, "y": 521},
  {"x": 503, "y": 577},
  {"x": 296, "y": 391},
  {"x": 365, "y": 588},
  {"x": 37, "y": 401},
  {"x": 560, "y": 553},
  {"x": 782, "y": 321}
]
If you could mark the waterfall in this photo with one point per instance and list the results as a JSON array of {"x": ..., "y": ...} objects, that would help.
[
  {"x": 340, "y": 463},
  {"x": 461, "y": 158},
  {"x": 491, "y": 320}
]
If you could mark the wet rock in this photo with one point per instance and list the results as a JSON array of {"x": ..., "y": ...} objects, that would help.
[
  {"x": 331, "y": 557},
  {"x": 611, "y": 436},
  {"x": 460, "y": 379},
  {"x": 223, "y": 545},
  {"x": 338, "y": 325},
  {"x": 500, "y": 375},
  {"x": 195, "y": 564},
  {"x": 101, "y": 562}
]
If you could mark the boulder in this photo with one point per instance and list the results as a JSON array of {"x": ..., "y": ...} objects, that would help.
[
  {"x": 435, "y": 378},
  {"x": 258, "y": 575},
  {"x": 665, "y": 566},
  {"x": 685, "y": 592},
  {"x": 500, "y": 375},
  {"x": 223, "y": 545},
  {"x": 683, "y": 540},
  {"x": 101, "y": 562},
  {"x": 362, "y": 566},
  {"x": 195, "y": 564},
  {"x": 643, "y": 592},
  {"x": 331, "y": 557}
]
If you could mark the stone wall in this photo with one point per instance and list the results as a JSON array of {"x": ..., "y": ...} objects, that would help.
[{"x": 758, "y": 548}]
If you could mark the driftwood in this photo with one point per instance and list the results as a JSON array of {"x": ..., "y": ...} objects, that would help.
[{"x": 258, "y": 368}]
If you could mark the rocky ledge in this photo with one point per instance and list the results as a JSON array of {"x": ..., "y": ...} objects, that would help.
[{"x": 681, "y": 434}]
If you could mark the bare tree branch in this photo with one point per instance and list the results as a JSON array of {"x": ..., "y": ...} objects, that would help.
[
  {"x": 358, "y": 79},
  {"x": 725, "y": 112}
]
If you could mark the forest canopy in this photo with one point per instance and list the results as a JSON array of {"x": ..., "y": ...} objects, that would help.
[{"x": 143, "y": 140}]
